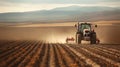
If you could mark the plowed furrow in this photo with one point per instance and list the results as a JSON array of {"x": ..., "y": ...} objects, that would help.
[
  {"x": 87, "y": 60},
  {"x": 31, "y": 53},
  {"x": 109, "y": 54},
  {"x": 9, "y": 49},
  {"x": 11, "y": 58},
  {"x": 23, "y": 55},
  {"x": 103, "y": 61},
  {"x": 107, "y": 61},
  {"x": 34, "y": 62},
  {"x": 52, "y": 56},
  {"x": 16, "y": 50},
  {"x": 77, "y": 60},
  {"x": 61, "y": 61},
  {"x": 45, "y": 59},
  {"x": 111, "y": 49},
  {"x": 27, "y": 55},
  {"x": 110, "y": 62}
]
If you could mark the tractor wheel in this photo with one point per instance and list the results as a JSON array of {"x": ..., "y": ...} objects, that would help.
[
  {"x": 93, "y": 38},
  {"x": 78, "y": 39}
]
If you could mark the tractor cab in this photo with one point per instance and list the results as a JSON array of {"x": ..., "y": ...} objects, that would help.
[{"x": 84, "y": 26}]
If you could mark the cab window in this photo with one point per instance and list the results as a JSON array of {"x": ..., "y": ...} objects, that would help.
[{"x": 85, "y": 26}]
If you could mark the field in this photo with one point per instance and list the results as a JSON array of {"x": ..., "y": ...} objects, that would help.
[
  {"x": 30, "y": 53},
  {"x": 43, "y": 45}
]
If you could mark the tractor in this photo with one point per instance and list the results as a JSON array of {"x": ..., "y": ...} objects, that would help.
[{"x": 86, "y": 32}]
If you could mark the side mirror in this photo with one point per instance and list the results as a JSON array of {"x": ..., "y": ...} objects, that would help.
[{"x": 95, "y": 25}]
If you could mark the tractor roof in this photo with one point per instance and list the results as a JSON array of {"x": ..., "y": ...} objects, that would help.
[{"x": 84, "y": 23}]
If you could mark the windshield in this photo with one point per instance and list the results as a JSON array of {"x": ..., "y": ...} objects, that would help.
[{"x": 85, "y": 26}]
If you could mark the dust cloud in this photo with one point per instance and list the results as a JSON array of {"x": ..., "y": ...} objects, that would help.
[
  {"x": 48, "y": 34},
  {"x": 106, "y": 33}
]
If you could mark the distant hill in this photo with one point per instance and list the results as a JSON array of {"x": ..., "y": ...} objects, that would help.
[{"x": 62, "y": 14}]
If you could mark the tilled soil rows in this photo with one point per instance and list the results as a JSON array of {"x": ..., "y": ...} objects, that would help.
[{"x": 40, "y": 54}]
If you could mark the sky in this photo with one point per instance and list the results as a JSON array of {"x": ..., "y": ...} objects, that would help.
[{"x": 32, "y": 5}]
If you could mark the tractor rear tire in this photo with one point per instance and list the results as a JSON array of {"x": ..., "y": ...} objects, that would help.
[
  {"x": 78, "y": 38},
  {"x": 93, "y": 38}
]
